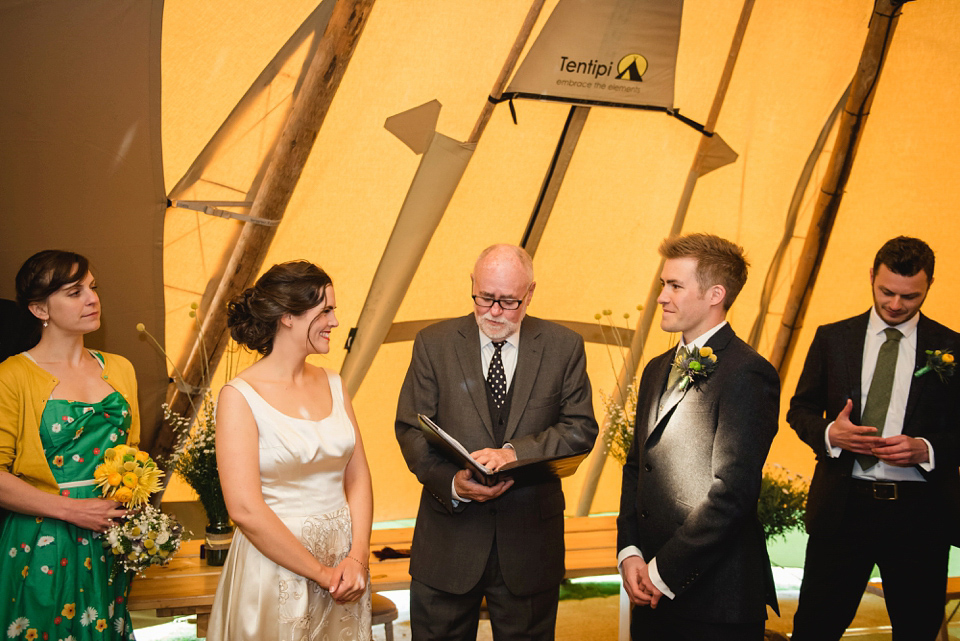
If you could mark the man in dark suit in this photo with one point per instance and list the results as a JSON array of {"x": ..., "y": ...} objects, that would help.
[
  {"x": 692, "y": 553},
  {"x": 505, "y": 385},
  {"x": 885, "y": 490}
]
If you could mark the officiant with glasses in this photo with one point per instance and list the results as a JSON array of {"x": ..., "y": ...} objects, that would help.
[{"x": 507, "y": 386}]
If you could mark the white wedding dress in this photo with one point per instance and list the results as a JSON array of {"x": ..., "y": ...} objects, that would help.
[{"x": 301, "y": 470}]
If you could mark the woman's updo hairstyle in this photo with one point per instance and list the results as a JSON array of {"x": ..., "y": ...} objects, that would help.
[{"x": 287, "y": 288}]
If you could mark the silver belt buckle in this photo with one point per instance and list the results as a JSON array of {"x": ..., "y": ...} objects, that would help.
[{"x": 880, "y": 493}]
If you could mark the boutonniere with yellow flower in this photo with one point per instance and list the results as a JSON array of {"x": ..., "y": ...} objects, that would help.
[
  {"x": 939, "y": 361},
  {"x": 694, "y": 366},
  {"x": 145, "y": 536}
]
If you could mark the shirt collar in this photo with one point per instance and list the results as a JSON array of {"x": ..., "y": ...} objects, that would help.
[
  {"x": 876, "y": 325},
  {"x": 702, "y": 339},
  {"x": 513, "y": 339}
]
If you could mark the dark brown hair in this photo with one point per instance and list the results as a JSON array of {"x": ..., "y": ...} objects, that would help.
[
  {"x": 286, "y": 288},
  {"x": 906, "y": 256},
  {"x": 46, "y": 272},
  {"x": 719, "y": 261}
]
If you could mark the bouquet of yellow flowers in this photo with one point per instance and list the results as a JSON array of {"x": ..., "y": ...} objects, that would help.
[
  {"x": 127, "y": 475},
  {"x": 145, "y": 536}
]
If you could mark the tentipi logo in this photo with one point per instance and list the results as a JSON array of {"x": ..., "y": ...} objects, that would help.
[{"x": 632, "y": 67}]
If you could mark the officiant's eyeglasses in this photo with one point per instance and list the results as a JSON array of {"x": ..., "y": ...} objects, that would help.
[{"x": 506, "y": 304}]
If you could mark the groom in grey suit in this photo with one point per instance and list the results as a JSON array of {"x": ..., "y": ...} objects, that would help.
[
  {"x": 505, "y": 385},
  {"x": 692, "y": 552}
]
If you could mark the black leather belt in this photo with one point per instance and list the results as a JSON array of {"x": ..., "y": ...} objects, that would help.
[{"x": 890, "y": 490}]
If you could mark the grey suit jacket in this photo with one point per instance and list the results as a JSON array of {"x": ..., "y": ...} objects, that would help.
[
  {"x": 831, "y": 374},
  {"x": 551, "y": 413},
  {"x": 692, "y": 479}
]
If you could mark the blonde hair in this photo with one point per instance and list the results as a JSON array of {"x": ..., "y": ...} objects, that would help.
[{"x": 719, "y": 261}]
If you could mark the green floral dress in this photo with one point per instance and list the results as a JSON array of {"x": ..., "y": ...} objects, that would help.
[{"x": 54, "y": 576}]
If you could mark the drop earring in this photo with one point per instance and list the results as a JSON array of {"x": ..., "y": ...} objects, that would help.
[{"x": 44, "y": 323}]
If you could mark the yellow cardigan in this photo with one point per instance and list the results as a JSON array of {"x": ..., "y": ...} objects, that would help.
[{"x": 25, "y": 388}]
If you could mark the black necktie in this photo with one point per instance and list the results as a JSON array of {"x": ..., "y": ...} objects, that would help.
[
  {"x": 496, "y": 377},
  {"x": 881, "y": 387}
]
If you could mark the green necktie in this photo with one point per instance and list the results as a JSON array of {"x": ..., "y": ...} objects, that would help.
[
  {"x": 674, "y": 376},
  {"x": 878, "y": 398}
]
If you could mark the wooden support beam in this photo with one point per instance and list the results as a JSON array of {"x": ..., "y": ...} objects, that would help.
[
  {"x": 883, "y": 23},
  {"x": 289, "y": 158}
]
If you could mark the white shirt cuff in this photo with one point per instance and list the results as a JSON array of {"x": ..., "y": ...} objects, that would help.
[
  {"x": 657, "y": 581},
  {"x": 930, "y": 464},
  {"x": 833, "y": 452}
]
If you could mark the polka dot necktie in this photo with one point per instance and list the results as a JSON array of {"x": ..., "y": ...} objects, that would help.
[{"x": 496, "y": 377}]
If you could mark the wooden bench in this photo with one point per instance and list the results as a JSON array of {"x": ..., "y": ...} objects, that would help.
[
  {"x": 953, "y": 592},
  {"x": 187, "y": 585}
]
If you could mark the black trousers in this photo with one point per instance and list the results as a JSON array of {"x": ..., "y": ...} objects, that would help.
[
  {"x": 905, "y": 538},
  {"x": 647, "y": 624},
  {"x": 436, "y": 615}
]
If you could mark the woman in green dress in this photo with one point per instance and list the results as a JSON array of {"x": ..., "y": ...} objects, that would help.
[{"x": 61, "y": 406}]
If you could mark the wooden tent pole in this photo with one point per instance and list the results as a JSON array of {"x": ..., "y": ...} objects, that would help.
[
  {"x": 286, "y": 165},
  {"x": 790, "y": 224},
  {"x": 501, "y": 83},
  {"x": 883, "y": 23},
  {"x": 634, "y": 355}
]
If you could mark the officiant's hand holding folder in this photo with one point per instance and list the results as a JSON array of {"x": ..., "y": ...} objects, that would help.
[{"x": 523, "y": 471}]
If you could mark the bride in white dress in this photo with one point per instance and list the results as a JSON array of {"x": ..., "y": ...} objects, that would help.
[{"x": 294, "y": 474}]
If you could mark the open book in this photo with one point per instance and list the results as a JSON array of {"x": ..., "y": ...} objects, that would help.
[{"x": 531, "y": 470}]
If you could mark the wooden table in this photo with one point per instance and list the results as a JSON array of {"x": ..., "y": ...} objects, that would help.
[
  {"x": 187, "y": 585},
  {"x": 953, "y": 592}
]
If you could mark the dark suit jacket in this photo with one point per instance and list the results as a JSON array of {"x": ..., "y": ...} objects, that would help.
[
  {"x": 831, "y": 375},
  {"x": 551, "y": 413},
  {"x": 691, "y": 483}
]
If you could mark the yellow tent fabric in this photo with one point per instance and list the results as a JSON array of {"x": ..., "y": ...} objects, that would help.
[{"x": 619, "y": 195}]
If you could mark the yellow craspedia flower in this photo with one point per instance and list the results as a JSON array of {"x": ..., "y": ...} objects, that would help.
[
  {"x": 152, "y": 534},
  {"x": 947, "y": 358},
  {"x": 713, "y": 358},
  {"x": 164, "y": 553},
  {"x": 706, "y": 352},
  {"x": 149, "y": 544},
  {"x": 135, "y": 531},
  {"x": 132, "y": 556},
  {"x": 69, "y": 610}
]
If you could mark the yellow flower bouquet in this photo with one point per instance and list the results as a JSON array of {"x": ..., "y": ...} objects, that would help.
[
  {"x": 145, "y": 536},
  {"x": 127, "y": 475}
]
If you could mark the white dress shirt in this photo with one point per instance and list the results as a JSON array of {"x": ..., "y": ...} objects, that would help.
[
  {"x": 667, "y": 401},
  {"x": 896, "y": 411}
]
